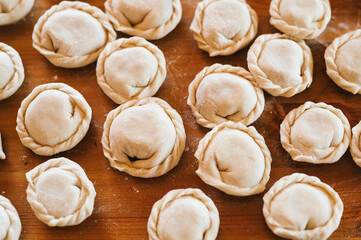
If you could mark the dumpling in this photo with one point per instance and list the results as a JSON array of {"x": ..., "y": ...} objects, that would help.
[{"x": 11, "y": 11}]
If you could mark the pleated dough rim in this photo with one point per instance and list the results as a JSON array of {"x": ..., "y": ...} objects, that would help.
[
  {"x": 86, "y": 186},
  {"x": 152, "y": 33},
  {"x": 124, "y": 43},
  {"x": 321, "y": 232},
  {"x": 169, "y": 163},
  {"x": 219, "y": 68},
  {"x": 72, "y": 141},
  {"x": 211, "y": 232},
  {"x": 295, "y": 153},
  {"x": 14, "y": 230},
  {"x": 60, "y": 60},
  {"x": 355, "y": 146},
  {"x": 19, "y": 12},
  {"x": 18, "y": 77},
  {"x": 299, "y": 32},
  {"x": 331, "y": 66},
  {"x": 254, "y": 54},
  {"x": 218, "y": 183},
  {"x": 197, "y": 26}
]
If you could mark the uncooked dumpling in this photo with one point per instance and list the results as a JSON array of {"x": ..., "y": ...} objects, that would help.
[
  {"x": 12, "y": 11},
  {"x": 222, "y": 27},
  {"x": 10, "y": 225},
  {"x": 72, "y": 34},
  {"x": 355, "y": 146}
]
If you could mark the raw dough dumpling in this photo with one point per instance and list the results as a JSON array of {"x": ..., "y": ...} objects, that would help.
[
  {"x": 10, "y": 225},
  {"x": 144, "y": 18},
  {"x": 130, "y": 69},
  {"x": 53, "y": 118},
  {"x": 11, "y": 71},
  {"x": 302, "y": 207},
  {"x": 304, "y": 19},
  {"x": 60, "y": 193},
  {"x": 144, "y": 138},
  {"x": 281, "y": 65},
  {"x": 2, "y": 154},
  {"x": 72, "y": 34},
  {"x": 343, "y": 61},
  {"x": 222, "y": 27},
  {"x": 222, "y": 93},
  {"x": 184, "y": 214},
  {"x": 355, "y": 146},
  {"x": 235, "y": 159},
  {"x": 12, "y": 11},
  {"x": 315, "y": 133}
]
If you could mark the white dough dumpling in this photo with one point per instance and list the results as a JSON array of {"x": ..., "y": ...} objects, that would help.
[
  {"x": 11, "y": 11},
  {"x": 10, "y": 224},
  {"x": 302, "y": 207},
  {"x": 184, "y": 214}
]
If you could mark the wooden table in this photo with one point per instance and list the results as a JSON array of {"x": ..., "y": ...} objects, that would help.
[{"x": 123, "y": 203}]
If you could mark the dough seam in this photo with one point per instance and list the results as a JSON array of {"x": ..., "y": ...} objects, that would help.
[
  {"x": 124, "y": 43},
  {"x": 169, "y": 162},
  {"x": 219, "y": 68},
  {"x": 152, "y": 33},
  {"x": 295, "y": 153},
  {"x": 330, "y": 58},
  {"x": 254, "y": 54},
  {"x": 197, "y": 25},
  {"x": 75, "y": 61}
]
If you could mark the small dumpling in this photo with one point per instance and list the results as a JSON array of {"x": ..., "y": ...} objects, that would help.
[
  {"x": 315, "y": 133},
  {"x": 343, "y": 61},
  {"x": 72, "y": 34},
  {"x": 222, "y": 27},
  {"x": 184, "y": 214},
  {"x": 144, "y": 18},
  {"x": 222, "y": 93},
  {"x": 11, "y": 11},
  {"x": 235, "y": 159},
  {"x": 11, "y": 71},
  {"x": 302, "y": 207},
  {"x": 304, "y": 19},
  {"x": 53, "y": 118},
  {"x": 10, "y": 224},
  {"x": 355, "y": 146},
  {"x": 60, "y": 193},
  {"x": 280, "y": 64},
  {"x": 130, "y": 69},
  {"x": 144, "y": 138}
]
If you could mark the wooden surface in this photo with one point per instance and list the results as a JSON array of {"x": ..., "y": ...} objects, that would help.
[{"x": 123, "y": 203}]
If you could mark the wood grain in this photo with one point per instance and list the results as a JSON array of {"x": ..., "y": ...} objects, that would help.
[{"x": 123, "y": 203}]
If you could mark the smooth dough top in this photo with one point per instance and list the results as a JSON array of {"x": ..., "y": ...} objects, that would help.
[
  {"x": 143, "y": 133},
  {"x": 236, "y": 100},
  {"x": 222, "y": 27},
  {"x": 60, "y": 193},
  {"x": 302, "y": 207},
  {"x": 7, "y": 69},
  {"x": 281, "y": 60},
  {"x": 184, "y": 214},
  {"x": 223, "y": 20},
  {"x": 73, "y": 32},
  {"x": 301, "y": 13},
  {"x": 234, "y": 159},
  {"x": 315, "y": 133}
]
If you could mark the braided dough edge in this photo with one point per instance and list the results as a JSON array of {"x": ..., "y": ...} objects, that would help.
[
  {"x": 330, "y": 58},
  {"x": 13, "y": 85},
  {"x": 14, "y": 230},
  {"x": 299, "y": 32},
  {"x": 197, "y": 26},
  {"x": 18, "y": 13},
  {"x": 295, "y": 153},
  {"x": 321, "y": 232},
  {"x": 218, "y": 183},
  {"x": 87, "y": 192},
  {"x": 169, "y": 163},
  {"x": 71, "y": 142},
  {"x": 152, "y": 33},
  {"x": 160, "y": 205},
  {"x": 152, "y": 87},
  {"x": 219, "y": 68},
  {"x": 60, "y": 60},
  {"x": 255, "y": 52}
]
